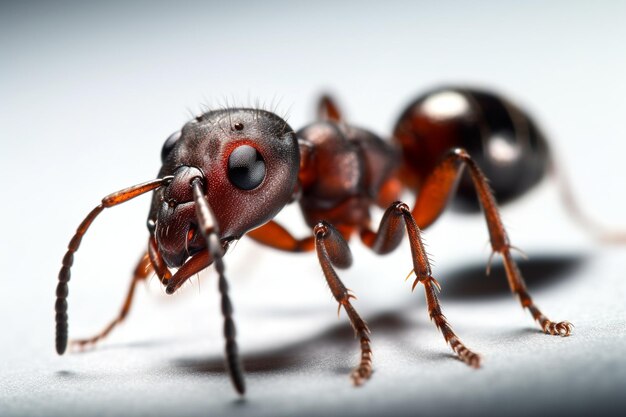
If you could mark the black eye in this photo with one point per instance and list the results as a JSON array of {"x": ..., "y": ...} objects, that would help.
[
  {"x": 246, "y": 167},
  {"x": 169, "y": 145}
]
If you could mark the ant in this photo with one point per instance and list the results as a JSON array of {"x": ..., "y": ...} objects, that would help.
[{"x": 228, "y": 173}]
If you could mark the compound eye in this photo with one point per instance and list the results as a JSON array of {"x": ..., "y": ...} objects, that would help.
[
  {"x": 169, "y": 145},
  {"x": 246, "y": 167}
]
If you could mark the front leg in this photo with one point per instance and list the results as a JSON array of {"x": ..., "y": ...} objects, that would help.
[
  {"x": 332, "y": 249},
  {"x": 152, "y": 261},
  {"x": 143, "y": 269}
]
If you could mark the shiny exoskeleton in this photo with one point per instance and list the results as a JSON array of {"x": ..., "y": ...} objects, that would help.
[
  {"x": 227, "y": 173},
  {"x": 505, "y": 143}
]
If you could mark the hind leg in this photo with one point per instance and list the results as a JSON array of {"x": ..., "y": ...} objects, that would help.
[{"x": 432, "y": 200}]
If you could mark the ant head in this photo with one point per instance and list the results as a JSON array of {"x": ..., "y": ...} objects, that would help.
[{"x": 248, "y": 162}]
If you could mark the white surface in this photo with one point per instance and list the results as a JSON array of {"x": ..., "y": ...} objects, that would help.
[{"x": 89, "y": 93}]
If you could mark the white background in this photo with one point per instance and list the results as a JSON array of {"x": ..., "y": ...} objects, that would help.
[{"x": 88, "y": 93}]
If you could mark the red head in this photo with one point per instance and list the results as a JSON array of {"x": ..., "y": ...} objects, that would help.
[{"x": 248, "y": 162}]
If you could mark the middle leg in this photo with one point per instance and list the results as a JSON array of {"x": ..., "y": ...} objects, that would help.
[{"x": 388, "y": 238}]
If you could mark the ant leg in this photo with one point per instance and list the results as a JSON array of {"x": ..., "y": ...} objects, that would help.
[
  {"x": 276, "y": 236},
  {"x": 388, "y": 238},
  {"x": 62, "y": 290},
  {"x": 328, "y": 110},
  {"x": 332, "y": 249},
  {"x": 599, "y": 231},
  {"x": 432, "y": 200},
  {"x": 143, "y": 269}
]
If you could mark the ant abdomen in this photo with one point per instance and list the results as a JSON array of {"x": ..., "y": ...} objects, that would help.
[{"x": 501, "y": 138}]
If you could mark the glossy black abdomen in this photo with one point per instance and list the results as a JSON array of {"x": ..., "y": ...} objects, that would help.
[{"x": 501, "y": 138}]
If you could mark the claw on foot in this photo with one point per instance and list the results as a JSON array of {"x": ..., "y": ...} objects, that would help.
[
  {"x": 361, "y": 374},
  {"x": 464, "y": 354},
  {"x": 81, "y": 345},
  {"x": 563, "y": 328},
  {"x": 469, "y": 357}
]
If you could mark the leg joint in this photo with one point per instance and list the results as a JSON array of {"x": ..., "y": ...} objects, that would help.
[
  {"x": 401, "y": 207},
  {"x": 321, "y": 229},
  {"x": 461, "y": 153}
]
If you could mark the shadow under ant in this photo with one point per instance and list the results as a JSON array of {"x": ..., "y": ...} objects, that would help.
[
  {"x": 471, "y": 283},
  {"x": 464, "y": 284},
  {"x": 298, "y": 354},
  {"x": 467, "y": 283}
]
